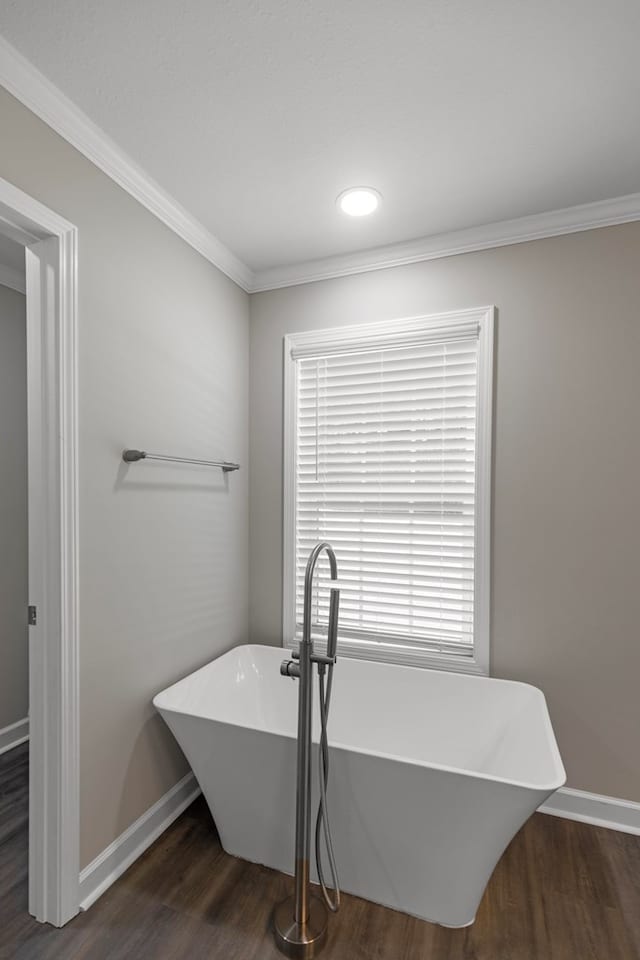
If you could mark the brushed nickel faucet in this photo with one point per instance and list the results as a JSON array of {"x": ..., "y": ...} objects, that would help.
[{"x": 300, "y": 922}]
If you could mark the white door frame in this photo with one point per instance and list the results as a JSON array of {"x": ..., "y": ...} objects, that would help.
[{"x": 54, "y": 810}]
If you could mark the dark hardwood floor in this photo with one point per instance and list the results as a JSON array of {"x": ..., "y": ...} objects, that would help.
[{"x": 562, "y": 891}]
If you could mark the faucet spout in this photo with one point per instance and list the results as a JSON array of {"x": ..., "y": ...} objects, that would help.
[{"x": 332, "y": 637}]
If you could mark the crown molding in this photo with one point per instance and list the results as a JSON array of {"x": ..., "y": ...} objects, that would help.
[
  {"x": 36, "y": 92},
  {"x": 587, "y": 216},
  {"x": 15, "y": 279}
]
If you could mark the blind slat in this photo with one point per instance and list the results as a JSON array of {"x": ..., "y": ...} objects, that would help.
[{"x": 385, "y": 471}]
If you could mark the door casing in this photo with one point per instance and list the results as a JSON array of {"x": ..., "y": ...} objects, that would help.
[{"x": 54, "y": 813}]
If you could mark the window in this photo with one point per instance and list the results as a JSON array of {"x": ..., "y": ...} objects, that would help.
[{"x": 388, "y": 457}]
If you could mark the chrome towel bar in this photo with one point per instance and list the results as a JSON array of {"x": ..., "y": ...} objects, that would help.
[{"x": 132, "y": 456}]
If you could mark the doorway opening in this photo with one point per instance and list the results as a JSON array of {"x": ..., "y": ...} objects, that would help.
[
  {"x": 47, "y": 605},
  {"x": 14, "y": 660}
]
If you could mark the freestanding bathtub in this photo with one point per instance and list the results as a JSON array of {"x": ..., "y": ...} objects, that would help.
[{"x": 431, "y": 776}]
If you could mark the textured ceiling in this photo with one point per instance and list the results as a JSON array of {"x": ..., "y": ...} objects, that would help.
[{"x": 255, "y": 115}]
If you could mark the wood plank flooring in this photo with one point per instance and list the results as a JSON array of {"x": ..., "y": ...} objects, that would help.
[{"x": 562, "y": 891}]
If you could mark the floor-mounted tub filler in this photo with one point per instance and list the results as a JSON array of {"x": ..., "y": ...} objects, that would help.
[
  {"x": 300, "y": 922},
  {"x": 432, "y": 773}
]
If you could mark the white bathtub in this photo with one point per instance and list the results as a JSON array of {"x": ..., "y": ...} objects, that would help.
[{"x": 431, "y": 773}]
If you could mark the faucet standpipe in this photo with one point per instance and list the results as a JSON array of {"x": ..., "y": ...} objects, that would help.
[{"x": 301, "y": 921}]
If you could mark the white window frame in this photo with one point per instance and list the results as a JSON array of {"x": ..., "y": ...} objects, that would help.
[{"x": 387, "y": 334}]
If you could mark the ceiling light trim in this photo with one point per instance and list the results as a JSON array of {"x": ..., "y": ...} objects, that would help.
[
  {"x": 587, "y": 216},
  {"x": 35, "y": 91},
  {"x": 344, "y": 201}
]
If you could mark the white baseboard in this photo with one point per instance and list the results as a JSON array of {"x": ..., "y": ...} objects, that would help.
[
  {"x": 98, "y": 876},
  {"x": 601, "y": 811},
  {"x": 13, "y": 735}
]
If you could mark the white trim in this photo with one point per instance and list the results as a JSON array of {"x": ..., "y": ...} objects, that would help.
[
  {"x": 407, "y": 657},
  {"x": 108, "y": 866},
  {"x": 13, "y": 735},
  {"x": 484, "y": 471},
  {"x": 36, "y": 92},
  {"x": 587, "y": 216},
  {"x": 381, "y": 333},
  {"x": 98, "y": 876},
  {"x": 290, "y": 379},
  {"x": 389, "y": 332},
  {"x": 594, "y": 808},
  {"x": 14, "y": 279},
  {"x": 54, "y": 815},
  {"x": 459, "y": 325}
]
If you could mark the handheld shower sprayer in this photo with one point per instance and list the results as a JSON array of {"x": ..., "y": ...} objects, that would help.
[{"x": 300, "y": 922}]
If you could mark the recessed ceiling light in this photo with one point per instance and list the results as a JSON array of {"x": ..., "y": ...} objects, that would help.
[{"x": 358, "y": 201}]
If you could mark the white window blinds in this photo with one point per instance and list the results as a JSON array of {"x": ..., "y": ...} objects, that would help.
[{"x": 386, "y": 470}]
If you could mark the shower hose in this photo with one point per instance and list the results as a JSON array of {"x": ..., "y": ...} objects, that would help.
[{"x": 323, "y": 828}]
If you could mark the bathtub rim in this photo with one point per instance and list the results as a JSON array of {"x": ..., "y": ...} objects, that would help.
[{"x": 542, "y": 787}]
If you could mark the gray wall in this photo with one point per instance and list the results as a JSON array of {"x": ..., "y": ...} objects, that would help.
[
  {"x": 14, "y": 654},
  {"x": 163, "y": 364},
  {"x": 163, "y": 351},
  {"x": 566, "y": 523}
]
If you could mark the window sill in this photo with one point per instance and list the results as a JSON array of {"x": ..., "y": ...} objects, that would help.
[{"x": 405, "y": 658}]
